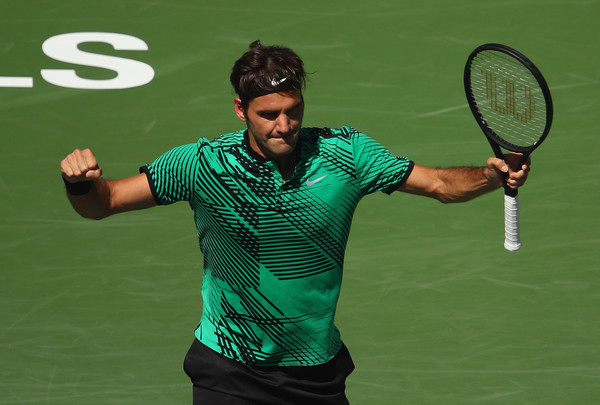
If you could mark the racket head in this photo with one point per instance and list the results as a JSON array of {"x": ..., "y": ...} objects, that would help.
[{"x": 508, "y": 97}]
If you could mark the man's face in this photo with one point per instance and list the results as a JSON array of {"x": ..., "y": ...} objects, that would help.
[{"x": 274, "y": 122}]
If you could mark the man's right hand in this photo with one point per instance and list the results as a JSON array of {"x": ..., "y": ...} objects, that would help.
[{"x": 80, "y": 165}]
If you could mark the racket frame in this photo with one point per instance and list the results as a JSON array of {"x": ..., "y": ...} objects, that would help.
[
  {"x": 512, "y": 240},
  {"x": 495, "y": 141}
]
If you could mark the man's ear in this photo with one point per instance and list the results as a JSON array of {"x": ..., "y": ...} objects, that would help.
[{"x": 239, "y": 109}]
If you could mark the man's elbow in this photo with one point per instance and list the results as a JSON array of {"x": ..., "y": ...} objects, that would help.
[
  {"x": 447, "y": 196},
  {"x": 91, "y": 213},
  {"x": 96, "y": 216}
]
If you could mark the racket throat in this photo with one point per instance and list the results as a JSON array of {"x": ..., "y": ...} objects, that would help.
[{"x": 510, "y": 192}]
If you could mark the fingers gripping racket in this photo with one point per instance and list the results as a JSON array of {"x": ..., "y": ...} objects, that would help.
[{"x": 511, "y": 103}]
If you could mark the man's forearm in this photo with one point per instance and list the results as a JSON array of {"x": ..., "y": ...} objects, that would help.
[
  {"x": 455, "y": 184},
  {"x": 460, "y": 184},
  {"x": 94, "y": 204}
]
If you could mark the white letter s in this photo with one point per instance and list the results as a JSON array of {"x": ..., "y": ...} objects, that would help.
[{"x": 64, "y": 48}]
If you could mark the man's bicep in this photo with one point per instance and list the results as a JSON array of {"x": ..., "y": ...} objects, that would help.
[
  {"x": 131, "y": 193},
  {"x": 422, "y": 180}
]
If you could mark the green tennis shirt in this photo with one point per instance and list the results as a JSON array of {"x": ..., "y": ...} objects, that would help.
[{"x": 273, "y": 250}]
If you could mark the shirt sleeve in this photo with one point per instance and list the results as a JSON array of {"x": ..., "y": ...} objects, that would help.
[
  {"x": 377, "y": 169},
  {"x": 172, "y": 175}
]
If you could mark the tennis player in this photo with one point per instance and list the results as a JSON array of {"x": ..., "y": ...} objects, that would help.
[{"x": 273, "y": 204}]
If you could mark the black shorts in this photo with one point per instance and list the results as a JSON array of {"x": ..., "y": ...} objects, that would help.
[{"x": 219, "y": 380}]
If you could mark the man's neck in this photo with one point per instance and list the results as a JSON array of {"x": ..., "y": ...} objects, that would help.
[{"x": 287, "y": 164}]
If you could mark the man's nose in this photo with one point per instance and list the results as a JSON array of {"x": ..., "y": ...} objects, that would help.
[{"x": 283, "y": 124}]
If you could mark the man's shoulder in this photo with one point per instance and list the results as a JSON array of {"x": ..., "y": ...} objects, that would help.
[
  {"x": 223, "y": 141},
  {"x": 345, "y": 132},
  {"x": 229, "y": 144}
]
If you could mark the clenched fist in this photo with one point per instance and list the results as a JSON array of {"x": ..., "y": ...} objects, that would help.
[{"x": 80, "y": 165}]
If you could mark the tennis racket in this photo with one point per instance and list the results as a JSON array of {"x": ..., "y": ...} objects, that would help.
[{"x": 511, "y": 102}]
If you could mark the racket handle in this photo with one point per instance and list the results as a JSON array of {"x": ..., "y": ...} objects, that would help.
[{"x": 512, "y": 239}]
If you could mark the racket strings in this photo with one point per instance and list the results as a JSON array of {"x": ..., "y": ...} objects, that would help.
[{"x": 509, "y": 97}]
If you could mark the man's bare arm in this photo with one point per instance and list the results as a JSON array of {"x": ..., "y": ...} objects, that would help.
[
  {"x": 80, "y": 170},
  {"x": 458, "y": 184}
]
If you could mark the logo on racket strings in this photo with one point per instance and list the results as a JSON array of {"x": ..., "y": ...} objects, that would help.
[{"x": 508, "y": 98}]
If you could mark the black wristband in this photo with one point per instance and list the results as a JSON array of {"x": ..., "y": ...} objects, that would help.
[{"x": 79, "y": 188}]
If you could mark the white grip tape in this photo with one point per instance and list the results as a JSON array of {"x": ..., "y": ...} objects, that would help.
[{"x": 512, "y": 239}]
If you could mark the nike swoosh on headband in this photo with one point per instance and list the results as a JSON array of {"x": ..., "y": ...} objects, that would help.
[{"x": 276, "y": 83}]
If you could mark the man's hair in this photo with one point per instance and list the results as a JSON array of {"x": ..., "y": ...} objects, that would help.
[{"x": 267, "y": 69}]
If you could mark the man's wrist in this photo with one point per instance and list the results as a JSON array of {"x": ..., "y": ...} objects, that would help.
[{"x": 79, "y": 188}]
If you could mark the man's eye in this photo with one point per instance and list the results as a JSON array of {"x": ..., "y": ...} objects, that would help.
[{"x": 296, "y": 110}]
